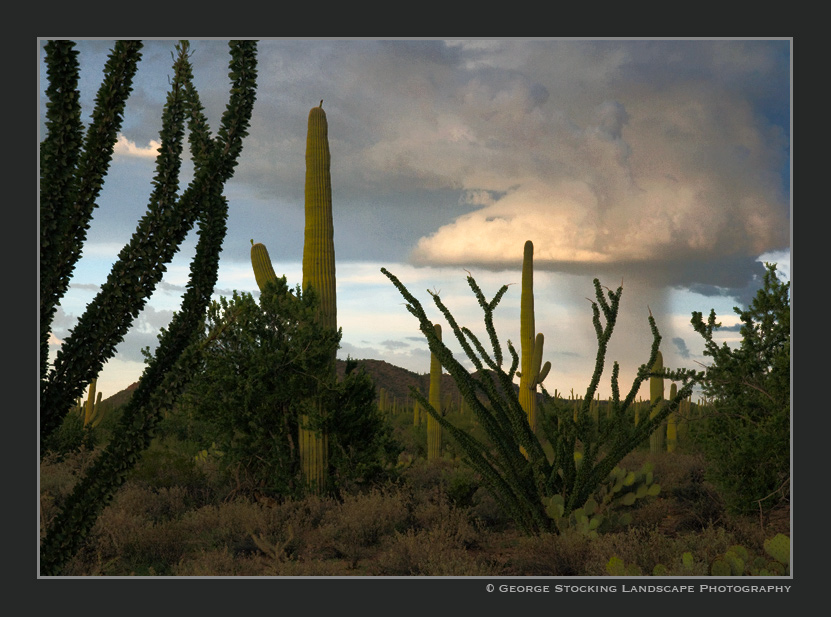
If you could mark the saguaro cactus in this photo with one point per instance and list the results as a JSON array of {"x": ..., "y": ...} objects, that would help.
[
  {"x": 656, "y": 401},
  {"x": 93, "y": 413},
  {"x": 672, "y": 427},
  {"x": 319, "y": 243},
  {"x": 261, "y": 263},
  {"x": 318, "y": 272},
  {"x": 433, "y": 426},
  {"x": 318, "y": 269},
  {"x": 532, "y": 372}
]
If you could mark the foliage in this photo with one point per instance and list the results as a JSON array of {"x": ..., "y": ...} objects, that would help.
[
  {"x": 70, "y": 436},
  {"x": 72, "y": 171},
  {"x": 361, "y": 445},
  {"x": 182, "y": 518},
  {"x": 512, "y": 461},
  {"x": 254, "y": 382},
  {"x": 746, "y": 435}
]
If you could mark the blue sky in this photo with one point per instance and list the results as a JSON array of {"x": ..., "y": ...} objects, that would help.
[{"x": 661, "y": 164}]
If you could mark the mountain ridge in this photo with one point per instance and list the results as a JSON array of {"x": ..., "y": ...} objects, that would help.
[{"x": 395, "y": 380}]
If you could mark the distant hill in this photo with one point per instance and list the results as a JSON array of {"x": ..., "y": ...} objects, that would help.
[
  {"x": 119, "y": 398},
  {"x": 395, "y": 380}
]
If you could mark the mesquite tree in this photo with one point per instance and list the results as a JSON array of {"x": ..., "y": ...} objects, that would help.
[
  {"x": 513, "y": 463},
  {"x": 72, "y": 171},
  {"x": 746, "y": 432}
]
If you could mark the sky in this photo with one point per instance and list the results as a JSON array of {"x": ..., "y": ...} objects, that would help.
[{"x": 660, "y": 165}]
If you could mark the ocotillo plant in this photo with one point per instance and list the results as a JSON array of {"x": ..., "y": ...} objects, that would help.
[
  {"x": 521, "y": 484},
  {"x": 70, "y": 182},
  {"x": 434, "y": 397}
]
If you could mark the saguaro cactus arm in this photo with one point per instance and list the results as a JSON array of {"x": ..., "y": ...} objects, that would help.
[{"x": 261, "y": 263}]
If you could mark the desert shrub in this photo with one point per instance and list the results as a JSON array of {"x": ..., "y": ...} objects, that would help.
[
  {"x": 746, "y": 430},
  {"x": 550, "y": 555},
  {"x": 219, "y": 562},
  {"x": 412, "y": 439},
  {"x": 357, "y": 525},
  {"x": 259, "y": 375},
  {"x": 429, "y": 552},
  {"x": 638, "y": 547},
  {"x": 135, "y": 533},
  {"x": 70, "y": 436},
  {"x": 485, "y": 509},
  {"x": 441, "y": 516},
  {"x": 59, "y": 473},
  {"x": 227, "y": 524},
  {"x": 460, "y": 485},
  {"x": 166, "y": 464},
  {"x": 362, "y": 448}
]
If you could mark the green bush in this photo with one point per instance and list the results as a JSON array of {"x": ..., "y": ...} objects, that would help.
[
  {"x": 746, "y": 432},
  {"x": 261, "y": 364}
]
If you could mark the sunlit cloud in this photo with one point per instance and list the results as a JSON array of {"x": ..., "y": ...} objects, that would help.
[
  {"x": 655, "y": 183},
  {"x": 126, "y": 147}
]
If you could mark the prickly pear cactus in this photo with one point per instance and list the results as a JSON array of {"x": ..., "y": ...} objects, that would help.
[
  {"x": 779, "y": 547},
  {"x": 605, "y": 509},
  {"x": 617, "y": 567},
  {"x": 737, "y": 561}
]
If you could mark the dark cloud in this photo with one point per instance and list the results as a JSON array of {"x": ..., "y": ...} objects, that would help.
[
  {"x": 660, "y": 162},
  {"x": 681, "y": 347}
]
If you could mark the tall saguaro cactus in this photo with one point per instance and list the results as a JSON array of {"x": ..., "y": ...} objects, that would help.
[
  {"x": 318, "y": 273},
  {"x": 434, "y": 398},
  {"x": 319, "y": 237},
  {"x": 318, "y": 270},
  {"x": 656, "y": 403},
  {"x": 532, "y": 371},
  {"x": 72, "y": 180}
]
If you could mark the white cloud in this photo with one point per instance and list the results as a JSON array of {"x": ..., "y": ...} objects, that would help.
[
  {"x": 125, "y": 147},
  {"x": 662, "y": 179}
]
